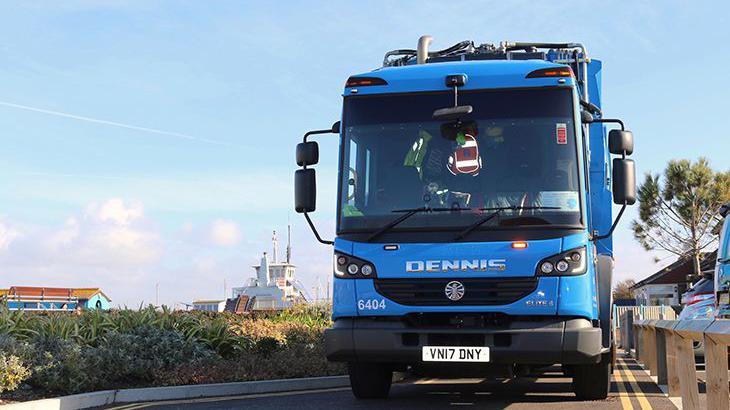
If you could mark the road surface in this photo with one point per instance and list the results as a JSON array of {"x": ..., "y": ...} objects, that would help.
[{"x": 631, "y": 389}]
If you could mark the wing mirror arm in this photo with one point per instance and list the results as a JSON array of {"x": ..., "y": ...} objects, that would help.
[
  {"x": 613, "y": 226},
  {"x": 305, "y": 184},
  {"x": 624, "y": 174}
]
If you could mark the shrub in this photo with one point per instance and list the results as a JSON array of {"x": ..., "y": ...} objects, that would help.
[
  {"x": 135, "y": 356},
  {"x": 59, "y": 365},
  {"x": 12, "y": 372},
  {"x": 66, "y": 354}
]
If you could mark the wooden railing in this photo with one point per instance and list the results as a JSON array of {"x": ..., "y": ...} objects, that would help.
[
  {"x": 624, "y": 333},
  {"x": 666, "y": 348}
]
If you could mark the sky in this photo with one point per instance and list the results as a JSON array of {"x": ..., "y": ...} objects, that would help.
[{"x": 150, "y": 144}]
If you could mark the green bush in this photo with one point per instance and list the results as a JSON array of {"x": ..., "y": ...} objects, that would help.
[
  {"x": 135, "y": 356},
  {"x": 12, "y": 372},
  {"x": 70, "y": 353}
]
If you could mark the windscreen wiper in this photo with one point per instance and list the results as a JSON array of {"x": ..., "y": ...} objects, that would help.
[
  {"x": 497, "y": 211},
  {"x": 407, "y": 213}
]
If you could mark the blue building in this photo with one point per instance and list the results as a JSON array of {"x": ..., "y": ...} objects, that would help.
[{"x": 53, "y": 299}]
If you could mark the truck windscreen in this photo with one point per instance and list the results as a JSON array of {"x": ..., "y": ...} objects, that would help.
[{"x": 517, "y": 148}]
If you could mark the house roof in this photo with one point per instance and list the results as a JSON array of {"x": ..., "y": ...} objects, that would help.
[
  {"x": 677, "y": 272},
  {"x": 37, "y": 291},
  {"x": 88, "y": 293}
]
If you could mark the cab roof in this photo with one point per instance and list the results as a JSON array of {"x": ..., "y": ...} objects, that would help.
[{"x": 481, "y": 74}]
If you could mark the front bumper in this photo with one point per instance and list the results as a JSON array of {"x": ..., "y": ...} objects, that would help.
[{"x": 536, "y": 341}]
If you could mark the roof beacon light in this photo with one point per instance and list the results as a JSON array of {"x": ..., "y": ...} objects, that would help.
[
  {"x": 364, "y": 81},
  {"x": 551, "y": 72}
]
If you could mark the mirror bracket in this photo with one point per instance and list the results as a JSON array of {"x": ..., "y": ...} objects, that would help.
[
  {"x": 610, "y": 120},
  {"x": 314, "y": 230},
  {"x": 335, "y": 129},
  {"x": 613, "y": 226}
]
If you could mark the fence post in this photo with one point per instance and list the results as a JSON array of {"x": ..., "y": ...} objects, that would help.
[
  {"x": 661, "y": 352},
  {"x": 687, "y": 373},
  {"x": 672, "y": 373},
  {"x": 628, "y": 339},
  {"x": 717, "y": 337},
  {"x": 650, "y": 351},
  {"x": 639, "y": 342}
]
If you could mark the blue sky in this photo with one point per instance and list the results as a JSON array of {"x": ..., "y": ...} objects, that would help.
[{"x": 226, "y": 89}]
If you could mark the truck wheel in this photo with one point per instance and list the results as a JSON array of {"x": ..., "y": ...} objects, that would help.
[
  {"x": 370, "y": 380},
  {"x": 592, "y": 381}
]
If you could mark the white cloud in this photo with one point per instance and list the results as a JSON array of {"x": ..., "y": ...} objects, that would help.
[
  {"x": 116, "y": 211},
  {"x": 7, "y": 235},
  {"x": 224, "y": 232}
]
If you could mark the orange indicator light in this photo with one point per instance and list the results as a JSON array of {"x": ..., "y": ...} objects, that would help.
[{"x": 519, "y": 245}]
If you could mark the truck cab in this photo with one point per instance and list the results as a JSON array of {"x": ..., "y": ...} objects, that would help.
[
  {"x": 722, "y": 267},
  {"x": 474, "y": 215}
]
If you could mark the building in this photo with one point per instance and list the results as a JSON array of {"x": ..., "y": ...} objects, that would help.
[
  {"x": 274, "y": 286},
  {"x": 209, "y": 305},
  {"x": 92, "y": 298},
  {"x": 35, "y": 298},
  {"x": 666, "y": 286}
]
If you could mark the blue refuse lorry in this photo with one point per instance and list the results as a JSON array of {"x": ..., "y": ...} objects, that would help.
[
  {"x": 474, "y": 215},
  {"x": 722, "y": 267}
]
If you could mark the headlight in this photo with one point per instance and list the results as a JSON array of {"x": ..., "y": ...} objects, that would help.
[
  {"x": 366, "y": 270},
  {"x": 350, "y": 267},
  {"x": 569, "y": 263},
  {"x": 546, "y": 267}
]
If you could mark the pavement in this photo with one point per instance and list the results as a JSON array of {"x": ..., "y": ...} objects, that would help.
[{"x": 632, "y": 388}]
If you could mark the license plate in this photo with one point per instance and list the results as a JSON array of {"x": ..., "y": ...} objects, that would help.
[{"x": 455, "y": 354}]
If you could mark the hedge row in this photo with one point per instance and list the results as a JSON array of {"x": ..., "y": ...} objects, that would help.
[{"x": 58, "y": 353}]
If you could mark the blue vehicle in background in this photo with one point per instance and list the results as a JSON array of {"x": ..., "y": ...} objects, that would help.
[
  {"x": 474, "y": 215},
  {"x": 722, "y": 267}
]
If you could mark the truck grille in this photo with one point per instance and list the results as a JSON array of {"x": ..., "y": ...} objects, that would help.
[{"x": 477, "y": 291}]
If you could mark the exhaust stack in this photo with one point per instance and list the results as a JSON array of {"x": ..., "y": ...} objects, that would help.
[{"x": 422, "y": 52}]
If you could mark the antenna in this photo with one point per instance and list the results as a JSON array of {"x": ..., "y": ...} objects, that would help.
[
  {"x": 275, "y": 243},
  {"x": 288, "y": 243}
]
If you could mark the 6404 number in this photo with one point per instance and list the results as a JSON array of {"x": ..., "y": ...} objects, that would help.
[{"x": 371, "y": 304}]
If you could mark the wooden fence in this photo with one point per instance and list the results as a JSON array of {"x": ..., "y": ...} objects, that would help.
[
  {"x": 623, "y": 334},
  {"x": 665, "y": 347}
]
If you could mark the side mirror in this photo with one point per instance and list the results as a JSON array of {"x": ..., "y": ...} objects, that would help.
[
  {"x": 624, "y": 181},
  {"x": 725, "y": 210},
  {"x": 620, "y": 142},
  {"x": 305, "y": 190},
  {"x": 307, "y": 153},
  {"x": 586, "y": 117}
]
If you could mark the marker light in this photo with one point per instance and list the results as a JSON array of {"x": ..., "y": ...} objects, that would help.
[
  {"x": 546, "y": 267},
  {"x": 352, "y": 269},
  {"x": 562, "y": 266},
  {"x": 519, "y": 245},
  {"x": 575, "y": 257},
  {"x": 341, "y": 260},
  {"x": 364, "y": 81},
  {"x": 551, "y": 72},
  {"x": 366, "y": 270}
]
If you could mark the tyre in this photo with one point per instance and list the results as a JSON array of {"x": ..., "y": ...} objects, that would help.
[
  {"x": 592, "y": 381},
  {"x": 370, "y": 380}
]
